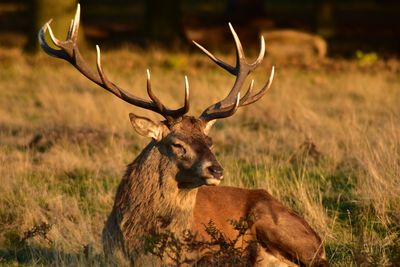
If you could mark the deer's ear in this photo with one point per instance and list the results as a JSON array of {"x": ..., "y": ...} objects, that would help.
[
  {"x": 147, "y": 127},
  {"x": 208, "y": 126}
]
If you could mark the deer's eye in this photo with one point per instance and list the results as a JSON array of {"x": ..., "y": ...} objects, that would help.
[{"x": 178, "y": 149}]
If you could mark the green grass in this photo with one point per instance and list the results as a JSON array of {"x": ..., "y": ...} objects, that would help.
[{"x": 325, "y": 141}]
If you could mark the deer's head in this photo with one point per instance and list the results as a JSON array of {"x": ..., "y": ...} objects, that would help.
[
  {"x": 187, "y": 145},
  {"x": 182, "y": 139}
]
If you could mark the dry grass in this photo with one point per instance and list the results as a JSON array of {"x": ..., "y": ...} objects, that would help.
[{"x": 326, "y": 142}]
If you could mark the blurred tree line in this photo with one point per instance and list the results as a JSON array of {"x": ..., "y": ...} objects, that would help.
[
  {"x": 360, "y": 23},
  {"x": 162, "y": 20}
]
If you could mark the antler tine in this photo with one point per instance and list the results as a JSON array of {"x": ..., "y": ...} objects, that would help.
[
  {"x": 261, "y": 54},
  {"x": 263, "y": 90},
  {"x": 75, "y": 24},
  {"x": 241, "y": 71},
  {"x": 225, "y": 66},
  {"x": 52, "y": 36},
  {"x": 70, "y": 30},
  {"x": 152, "y": 96},
  {"x": 161, "y": 107},
  {"x": 186, "y": 105},
  {"x": 239, "y": 49},
  {"x": 248, "y": 92},
  {"x": 69, "y": 51},
  {"x": 46, "y": 48},
  {"x": 100, "y": 70}
]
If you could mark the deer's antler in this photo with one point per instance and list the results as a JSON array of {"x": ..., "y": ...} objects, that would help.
[
  {"x": 227, "y": 106},
  {"x": 68, "y": 50}
]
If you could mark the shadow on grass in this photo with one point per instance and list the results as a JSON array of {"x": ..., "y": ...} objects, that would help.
[
  {"x": 50, "y": 256},
  {"x": 33, "y": 254},
  {"x": 341, "y": 198}
]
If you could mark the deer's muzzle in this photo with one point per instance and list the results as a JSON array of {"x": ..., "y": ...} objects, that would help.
[{"x": 216, "y": 171}]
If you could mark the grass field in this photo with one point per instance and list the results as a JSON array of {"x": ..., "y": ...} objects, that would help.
[{"x": 324, "y": 140}]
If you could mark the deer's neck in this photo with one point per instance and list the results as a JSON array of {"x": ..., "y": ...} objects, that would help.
[{"x": 149, "y": 201}]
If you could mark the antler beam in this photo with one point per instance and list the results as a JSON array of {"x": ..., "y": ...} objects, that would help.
[{"x": 68, "y": 50}]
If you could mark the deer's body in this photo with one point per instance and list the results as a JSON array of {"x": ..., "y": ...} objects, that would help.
[
  {"x": 282, "y": 235},
  {"x": 278, "y": 230},
  {"x": 165, "y": 189},
  {"x": 155, "y": 196}
]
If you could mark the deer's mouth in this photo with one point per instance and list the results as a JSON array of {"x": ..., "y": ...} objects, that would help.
[{"x": 212, "y": 181}]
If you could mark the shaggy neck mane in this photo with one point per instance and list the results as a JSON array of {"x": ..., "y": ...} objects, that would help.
[{"x": 149, "y": 192}]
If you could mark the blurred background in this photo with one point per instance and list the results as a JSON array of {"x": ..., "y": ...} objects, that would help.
[{"x": 366, "y": 26}]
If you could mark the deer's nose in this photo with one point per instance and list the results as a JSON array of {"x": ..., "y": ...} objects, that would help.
[{"x": 216, "y": 171}]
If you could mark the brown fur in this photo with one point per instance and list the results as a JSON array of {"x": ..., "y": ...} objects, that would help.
[
  {"x": 150, "y": 199},
  {"x": 161, "y": 191},
  {"x": 279, "y": 230}
]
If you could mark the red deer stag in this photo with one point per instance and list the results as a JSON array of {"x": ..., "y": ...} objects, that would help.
[{"x": 168, "y": 186}]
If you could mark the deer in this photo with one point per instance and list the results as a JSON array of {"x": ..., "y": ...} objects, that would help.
[{"x": 172, "y": 185}]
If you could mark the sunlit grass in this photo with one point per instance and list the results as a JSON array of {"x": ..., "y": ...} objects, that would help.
[{"x": 324, "y": 141}]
